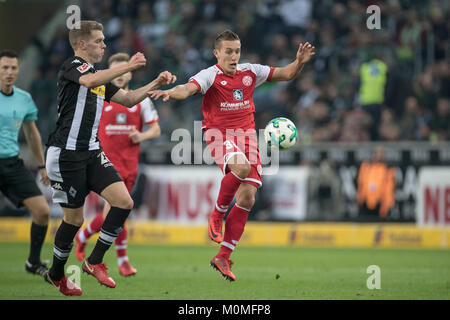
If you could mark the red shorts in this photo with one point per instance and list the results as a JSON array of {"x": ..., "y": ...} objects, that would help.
[
  {"x": 129, "y": 178},
  {"x": 222, "y": 147}
]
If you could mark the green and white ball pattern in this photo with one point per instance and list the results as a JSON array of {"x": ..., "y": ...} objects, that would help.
[{"x": 281, "y": 133}]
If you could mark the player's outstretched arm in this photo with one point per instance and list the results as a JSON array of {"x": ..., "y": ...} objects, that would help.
[
  {"x": 133, "y": 97},
  {"x": 92, "y": 80},
  {"x": 304, "y": 53},
  {"x": 179, "y": 92}
]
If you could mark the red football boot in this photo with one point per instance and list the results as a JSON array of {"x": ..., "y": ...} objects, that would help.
[
  {"x": 126, "y": 269},
  {"x": 215, "y": 226},
  {"x": 65, "y": 286},
  {"x": 99, "y": 272},
  {"x": 224, "y": 267}
]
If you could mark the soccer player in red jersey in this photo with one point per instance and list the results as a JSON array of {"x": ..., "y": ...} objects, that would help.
[
  {"x": 120, "y": 135},
  {"x": 230, "y": 134}
]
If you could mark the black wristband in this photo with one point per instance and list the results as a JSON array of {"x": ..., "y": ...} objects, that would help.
[{"x": 41, "y": 167}]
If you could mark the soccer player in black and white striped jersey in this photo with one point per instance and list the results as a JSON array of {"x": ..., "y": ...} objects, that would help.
[{"x": 75, "y": 161}]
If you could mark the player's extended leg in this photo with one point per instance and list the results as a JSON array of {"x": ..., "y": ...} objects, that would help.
[
  {"x": 125, "y": 268},
  {"x": 40, "y": 211},
  {"x": 239, "y": 170},
  {"x": 72, "y": 221},
  {"x": 116, "y": 194},
  {"x": 234, "y": 228}
]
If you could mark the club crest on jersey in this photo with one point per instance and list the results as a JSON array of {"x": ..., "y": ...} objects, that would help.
[
  {"x": 237, "y": 94},
  {"x": 247, "y": 81},
  {"x": 100, "y": 91},
  {"x": 121, "y": 118}
]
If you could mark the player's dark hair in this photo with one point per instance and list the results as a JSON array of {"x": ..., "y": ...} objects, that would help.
[
  {"x": 84, "y": 32},
  {"x": 119, "y": 57},
  {"x": 8, "y": 53},
  {"x": 226, "y": 35}
]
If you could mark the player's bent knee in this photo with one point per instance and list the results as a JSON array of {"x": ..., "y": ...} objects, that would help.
[
  {"x": 74, "y": 220},
  {"x": 242, "y": 170},
  {"x": 38, "y": 207},
  {"x": 42, "y": 217},
  {"x": 246, "y": 200},
  {"x": 42, "y": 211},
  {"x": 73, "y": 216},
  {"x": 129, "y": 204},
  {"x": 126, "y": 203}
]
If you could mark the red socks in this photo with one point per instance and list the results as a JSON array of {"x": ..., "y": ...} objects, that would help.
[
  {"x": 228, "y": 187},
  {"x": 95, "y": 225},
  {"x": 234, "y": 227},
  {"x": 121, "y": 245},
  {"x": 92, "y": 228}
]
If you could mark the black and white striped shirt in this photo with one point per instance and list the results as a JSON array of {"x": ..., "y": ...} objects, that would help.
[{"x": 79, "y": 108}]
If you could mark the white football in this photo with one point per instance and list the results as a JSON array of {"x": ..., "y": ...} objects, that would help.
[{"x": 280, "y": 133}]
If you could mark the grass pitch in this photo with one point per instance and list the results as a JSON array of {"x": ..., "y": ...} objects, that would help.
[{"x": 184, "y": 273}]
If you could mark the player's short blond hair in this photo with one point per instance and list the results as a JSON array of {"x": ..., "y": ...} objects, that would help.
[
  {"x": 84, "y": 32},
  {"x": 119, "y": 57},
  {"x": 226, "y": 35}
]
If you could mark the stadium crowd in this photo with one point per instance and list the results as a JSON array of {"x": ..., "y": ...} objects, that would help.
[{"x": 325, "y": 100}]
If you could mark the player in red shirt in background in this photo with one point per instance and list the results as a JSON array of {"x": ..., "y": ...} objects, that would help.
[
  {"x": 228, "y": 112},
  {"x": 120, "y": 135}
]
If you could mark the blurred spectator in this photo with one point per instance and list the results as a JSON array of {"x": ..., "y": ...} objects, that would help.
[
  {"x": 150, "y": 30},
  {"x": 322, "y": 61},
  {"x": 376, "y": 186},
  {"x": 408, "y": 36},
  {"x": 440, "y": 125},
  {"x": 388, "y": 130},
  {"x": 295, "y": 14},
  {"x": 320, "y": 118},
  {"x": 280, "y": 48},
  {"x": 307, "y": 89},
  {"x": 441, "y": 72},
  {"x": 408, "y": 123},
  {"x": 373, "y": 75},
  {"x": 424, "y": 118},
  {"x": 440, "y": 30},
  {"x": 356, "y": 126},
  {"x": 129, "y": 40},
  {"x": 425, "y": 91},
  {"x": 324, "y": 191},
  {"x": 126, "y": 8}
]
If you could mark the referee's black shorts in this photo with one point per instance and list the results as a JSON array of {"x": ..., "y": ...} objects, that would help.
[
  {"x": 73, "y": 174},
  {"x": 16, "y": 182}
]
